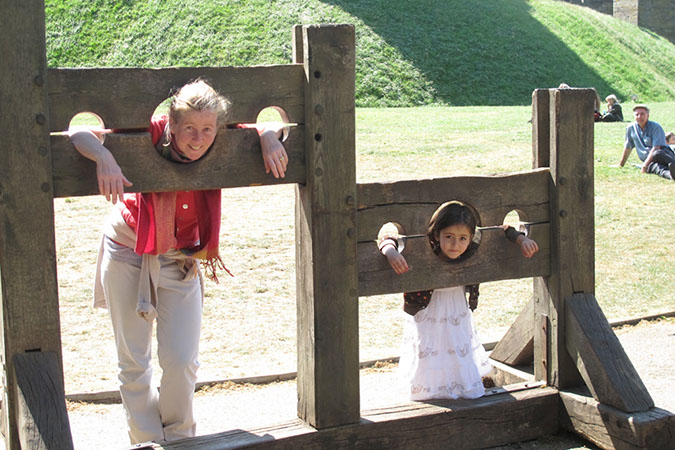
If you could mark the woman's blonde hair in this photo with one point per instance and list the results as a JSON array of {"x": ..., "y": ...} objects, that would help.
[
  {"x": 612, "y": 98},
  {"x": 198, "y": 95}
]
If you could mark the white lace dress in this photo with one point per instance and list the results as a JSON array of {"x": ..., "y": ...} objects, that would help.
[{"x": 442, "y": 356}]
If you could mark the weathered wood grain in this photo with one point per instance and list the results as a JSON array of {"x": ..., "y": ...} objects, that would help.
[
  {"x": 501, "y": 419},
  {"x": 41, "y": 415},
  {"x": 541, "y": 132},
  {"x": 127, "y": 97},
  {"x": 411, "y": 203},
  {"x": 234, "y": 161},
  {"x": 30, "y": 307},
  {"x": 611, "y": 428},
  {"x": 326, "y": 268},
  {"x": 516, "y": 347},
  {"x": 573, "y": 228},
  {"x": 600, "y": 358},
  {"x": 496, "y": 259}
]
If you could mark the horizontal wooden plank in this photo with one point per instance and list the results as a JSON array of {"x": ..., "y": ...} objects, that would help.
[
  {"x": 411, "y": 203},
  {"x": 608, "y": 427},
  {"x": 504, "y": 418},
  {"x": 234, "y": 161},
  {"x": 496, "y": 259},
  {"x": 127, "y": 97}
]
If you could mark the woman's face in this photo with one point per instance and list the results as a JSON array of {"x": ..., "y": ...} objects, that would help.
[
  {"x": 194, "y": 133},
  {"x": 454, "y": 240}
]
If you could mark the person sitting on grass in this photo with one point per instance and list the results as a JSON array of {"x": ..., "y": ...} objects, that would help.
[
  {"x": 613, "y": 113},
  {"x": 670, "y": 139},
  {"x": 649, "y": 141}
]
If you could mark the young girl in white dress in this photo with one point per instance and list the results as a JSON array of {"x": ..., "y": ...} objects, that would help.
[{"x": 442, "y": 357}]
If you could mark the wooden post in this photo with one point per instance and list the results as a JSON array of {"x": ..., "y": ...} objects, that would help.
[
  {"x": 572, "y": 228},
  {"x": 327, "y": 279},
  {"x": 42, "y": 423},
  {"x": 540, "y": 129},
  {"x": 30, "y": 307}
]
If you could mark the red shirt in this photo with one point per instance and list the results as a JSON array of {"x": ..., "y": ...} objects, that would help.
[{"x": 187, "y": 230}]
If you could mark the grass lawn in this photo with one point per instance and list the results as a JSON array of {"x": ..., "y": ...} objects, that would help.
[{"x": 249, "y": 320}]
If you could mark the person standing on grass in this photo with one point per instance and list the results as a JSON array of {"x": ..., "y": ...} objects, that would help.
[
  {"x": 649, "y": 142},
  {"x": 149, "y": 263},
  {"x": 442, "y": 356}
]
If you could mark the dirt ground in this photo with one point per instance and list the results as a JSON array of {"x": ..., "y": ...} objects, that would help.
[{"x": 650, "y": 346}]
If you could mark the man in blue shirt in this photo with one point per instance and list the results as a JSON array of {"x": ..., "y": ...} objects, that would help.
[{"x": 649, "y": 142}]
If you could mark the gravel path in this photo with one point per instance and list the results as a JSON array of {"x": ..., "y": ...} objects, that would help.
[{"x": 650, "y": 345}]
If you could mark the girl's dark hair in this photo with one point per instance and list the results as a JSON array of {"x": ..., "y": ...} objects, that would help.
[{"x": 447, "y": 215}]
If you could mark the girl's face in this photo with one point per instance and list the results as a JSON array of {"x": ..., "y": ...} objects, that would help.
[
  {"x": 454, "y": 240},
  {"x": 194, "y": 132}
]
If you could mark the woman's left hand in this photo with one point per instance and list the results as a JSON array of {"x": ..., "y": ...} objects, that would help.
[{"x": 273, "y": 153}]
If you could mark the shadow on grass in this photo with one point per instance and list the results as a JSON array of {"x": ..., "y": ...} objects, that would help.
[{"x": 487, "y": 52}]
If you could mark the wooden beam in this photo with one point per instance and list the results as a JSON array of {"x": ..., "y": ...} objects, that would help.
[
  {"x": 326, "y": 266},
  {"x": 510, "y": 417},
  {"x": 611, "y": 428},
  {"x": 516, "y": 347},
  {"x": 127, "y": 97},
  {"x": 601, "y": 359},
  {"x": 541, "y": 132},
  {"x": 411, "y": 203},
  {"x": 496, "y": 259},
  {"x": 234, "y": 161},
  {"x": 30, "y": 306},
  {"x": 41, "y": 415},
  {"x": 572, "y": 228}
]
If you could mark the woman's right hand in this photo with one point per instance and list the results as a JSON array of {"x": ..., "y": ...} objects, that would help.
[{"x": 111, "y": 180}]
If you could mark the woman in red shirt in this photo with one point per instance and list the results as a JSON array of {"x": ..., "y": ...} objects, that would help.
[{"x": 149, "y": 263}]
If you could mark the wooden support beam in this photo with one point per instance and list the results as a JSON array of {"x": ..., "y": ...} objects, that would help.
[
  {"x": 541, "y": 132},
  {"x": 610, "y": 428},
  {"x": 516, "y": 347},
  {"x": 509, "y": 417},
  {"x": 234, "y": 161},
  {"x": 138, "y": 92},
  {"x": 30, "y": 306},
  {"x": 601, "y": 359},
  {"x": 41, "y": 415},
  {"x": 326, "y": 267},
  {"x": 572, "y": 227}
]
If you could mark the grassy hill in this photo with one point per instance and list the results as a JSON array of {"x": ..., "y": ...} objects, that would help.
[{"x": 444, "y": 52}]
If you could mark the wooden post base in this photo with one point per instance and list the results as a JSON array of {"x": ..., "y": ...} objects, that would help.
[{"x": 611, "y": 428}]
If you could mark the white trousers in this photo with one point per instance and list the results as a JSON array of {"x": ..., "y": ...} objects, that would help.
[{"x": 166, "y": 415}]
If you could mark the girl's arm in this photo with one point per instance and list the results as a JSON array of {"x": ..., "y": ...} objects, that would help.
[
  {"x": 111, "y": 180},
  {"x": 527, "y": 246},
  {"x": 396, "y": 260}
]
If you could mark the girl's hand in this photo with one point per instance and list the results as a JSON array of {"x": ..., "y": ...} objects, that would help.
[
  {"x": 528, "y": 247},
  {"x": 396, "y": 259}
]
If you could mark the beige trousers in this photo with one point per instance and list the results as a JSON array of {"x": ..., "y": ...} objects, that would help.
[{"x": 167, "y": 414}]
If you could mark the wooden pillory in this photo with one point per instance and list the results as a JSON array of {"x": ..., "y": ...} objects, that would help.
[{"x": 562, "y": 330}]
